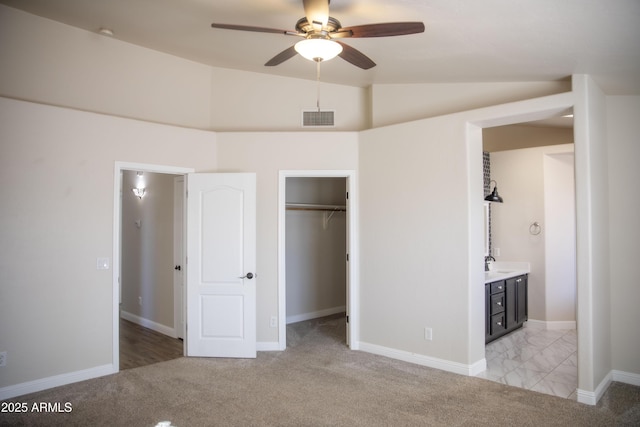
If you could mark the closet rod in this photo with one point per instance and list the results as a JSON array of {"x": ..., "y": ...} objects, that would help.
[{"x": 315, "y": 207}]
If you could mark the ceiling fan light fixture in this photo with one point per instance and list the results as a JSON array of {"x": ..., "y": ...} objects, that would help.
[{"x": 318, "y": 50}]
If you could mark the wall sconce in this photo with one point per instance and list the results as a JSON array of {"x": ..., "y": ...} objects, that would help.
[
  {"x": 138, "y": 191},
  {"x": 494, "y": 196}
]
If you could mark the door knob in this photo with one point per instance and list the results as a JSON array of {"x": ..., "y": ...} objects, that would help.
[
  {"x": 177, "y": 267},
  {"x": 247, "y": 276}
]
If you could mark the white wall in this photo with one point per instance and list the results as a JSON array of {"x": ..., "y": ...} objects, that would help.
[
  {"x": 520, "y": 175},
  {"x": 147, "y": 251},
  {"x": 414, "y": 258},
  {"x": 56, "y": 308},
  {"x": 53, "y": 63},
  {"x": 623, "y": 128},
  {"x": 243, "y": 101},
  {"x": 560, "y": 239}
]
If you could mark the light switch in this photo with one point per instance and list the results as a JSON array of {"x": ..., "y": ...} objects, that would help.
[{"x": 102, "y": 264}]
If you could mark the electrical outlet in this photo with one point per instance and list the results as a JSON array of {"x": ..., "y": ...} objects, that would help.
[
  {"x": 140, "y": 301},
  {"x": 273, "y": 322},
  {"x": 3, "y": 358},
  {"x": 428, "y": 334}
]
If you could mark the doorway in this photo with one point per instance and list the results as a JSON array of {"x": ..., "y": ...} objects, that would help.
[
  {"x": 143, "y": 307},
  {"x": 317, "y": 208},
  {"x": 315, "y": 247},
  {"x": 536, "y": 224}
]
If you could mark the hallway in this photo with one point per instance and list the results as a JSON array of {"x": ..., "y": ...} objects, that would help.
[{"x": 140, "y": 346}]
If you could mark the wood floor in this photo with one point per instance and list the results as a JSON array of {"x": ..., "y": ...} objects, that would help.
[{"x": 140, "y": 346}]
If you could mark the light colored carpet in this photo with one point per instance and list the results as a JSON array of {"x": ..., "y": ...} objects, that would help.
[{"x": 317, "y": 381}]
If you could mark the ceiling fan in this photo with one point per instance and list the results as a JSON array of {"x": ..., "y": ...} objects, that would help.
[{"x": 321, "y": 33}]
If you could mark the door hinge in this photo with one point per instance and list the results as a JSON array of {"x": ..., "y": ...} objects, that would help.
[
  {"x": 347, "y": 319},
  {"x": 347, "y": 257},
  {"x": 347, "y": 195}
]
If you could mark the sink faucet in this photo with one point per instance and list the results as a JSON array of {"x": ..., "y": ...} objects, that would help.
[{"x": 486, "y": 262}]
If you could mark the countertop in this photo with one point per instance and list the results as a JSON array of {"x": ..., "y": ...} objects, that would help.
[{"x": 501, "y": 270}]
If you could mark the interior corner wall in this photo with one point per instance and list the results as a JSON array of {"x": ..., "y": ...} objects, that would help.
[
  {"x": 623, "y": 128},
  {"x": 58, "y": 218},
  {"x": 266, "y": 154},
  {"x": 147, "y": 250}
]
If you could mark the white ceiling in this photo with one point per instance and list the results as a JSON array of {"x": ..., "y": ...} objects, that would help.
[{"x": 464, "y": 40}]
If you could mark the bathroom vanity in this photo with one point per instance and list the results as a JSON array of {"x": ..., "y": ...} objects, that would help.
[{"x": 505, "y": 302}]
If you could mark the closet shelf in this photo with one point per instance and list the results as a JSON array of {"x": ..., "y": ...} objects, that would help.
[{"x": 315, "y": 207}]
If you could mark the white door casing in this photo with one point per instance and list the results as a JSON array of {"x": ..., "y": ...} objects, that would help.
[
  {"x": 221, "y": 261},
  {"x": 353, "y": 295}
]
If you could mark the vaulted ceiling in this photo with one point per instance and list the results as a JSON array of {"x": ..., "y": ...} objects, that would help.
[{"x": 464, "y": 40}]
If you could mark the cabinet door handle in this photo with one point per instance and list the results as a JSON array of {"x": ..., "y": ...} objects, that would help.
[
  {"x": 499, "y": 303},
  {"x": 499, "y": 323}
]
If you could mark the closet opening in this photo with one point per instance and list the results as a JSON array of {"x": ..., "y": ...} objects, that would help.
[{"x": 316, "y": 259}]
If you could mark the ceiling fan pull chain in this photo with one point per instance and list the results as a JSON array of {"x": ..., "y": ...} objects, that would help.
[{"x": 318, "y": 85}]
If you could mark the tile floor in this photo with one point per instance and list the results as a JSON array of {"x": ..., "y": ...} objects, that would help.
[{"x": 535, "y": 359}]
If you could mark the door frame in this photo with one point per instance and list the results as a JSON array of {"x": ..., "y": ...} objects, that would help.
[
  {"x": 353, "y": 297},
  {"x": 117, "y": 249}
]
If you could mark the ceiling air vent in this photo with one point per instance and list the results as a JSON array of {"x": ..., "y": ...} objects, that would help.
[{"x": 315, "y": 118}]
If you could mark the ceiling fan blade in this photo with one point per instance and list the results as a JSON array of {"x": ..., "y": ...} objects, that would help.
[
  {"x": 281, "y": 57},
  {"x": 255, "y": 29},
  {"x": 382, "y": 30},
  {"x": 317, "y": 12},
  {"x": 355, "y": 57}
]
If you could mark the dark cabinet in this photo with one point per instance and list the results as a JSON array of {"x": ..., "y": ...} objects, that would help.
[{"x": 505, "y": 306}]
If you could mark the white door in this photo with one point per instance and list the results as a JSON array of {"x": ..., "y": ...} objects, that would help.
[{"x": 221, "y": 261}]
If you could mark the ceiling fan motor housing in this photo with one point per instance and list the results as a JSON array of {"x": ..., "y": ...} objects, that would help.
[{"x": 303, "y": 26}]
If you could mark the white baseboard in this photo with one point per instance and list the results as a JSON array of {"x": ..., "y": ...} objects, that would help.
[
  {"x": 626, "y": 377},
  {"x": 419, "y": 359},
  {"x": 315, "y": 314},
  {"x": 268, "y": 346},
  {"x": 56, "y": 381},
  {"x": 163, "y": 329},
  {"x": 551, "y": 325},
  {"x": 592, "y": 397}
]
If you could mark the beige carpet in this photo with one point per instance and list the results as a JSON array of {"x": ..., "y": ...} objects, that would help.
[{"x": 317, "y": 381}]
